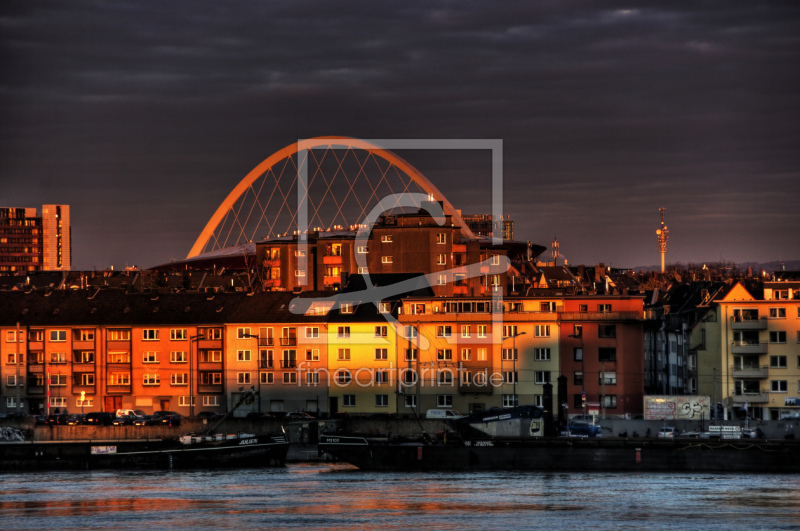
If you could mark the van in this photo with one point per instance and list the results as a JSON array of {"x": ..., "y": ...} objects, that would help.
[{"x": 443, "y": 414}]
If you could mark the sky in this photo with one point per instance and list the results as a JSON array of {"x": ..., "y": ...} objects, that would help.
[{"x": 144, "y": 115}]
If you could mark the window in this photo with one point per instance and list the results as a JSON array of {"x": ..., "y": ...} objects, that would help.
[
  {"x": 577, "y": 331},
  {"x": 466, "y": 377},
  {"x": 583, "y": 308},
  {"x": 211, "y": 333},
  {"x": 441, "y": 238},
  {"x": 57, "y": 357},
  {"x": 119, "y": 335},
  {"x": 444, "y": 354},
  {"x": 386, "y": 238},
  {"x": 444, "y": 377},
  {"x": 344, "y": 332},
  {"x": 177, "y": 334},
  {"x": 541, "y": 377},
  {"x": 381, "y": 377},
  {"x": 443, "y": 331},
  {"x": 312, "y": 378},
  {"x": 381, "y": 354},
  {"x": 381, "y": 331},
  {"x": 509, "y": 377},
  {"x": 777, "y": 362},
  {"x": 604, "y": 308},
  {"x": 409, "y": 377},
  {"x": 151, "y": 379},
  {"x": 465, "y": 331},
  {"x": 11, "y": 380},
  {"x": 541, "y": 354},
  {"x": 411, "y": 354},
  {"x": 607, "y": 378},
  {"x": 481, "y": 354},
  {"x": 509, "y": 330},
  {"x": 363, "y": 270},
  {"x": 243, "y": 355},
  {"x": 87, "y": 402},
  {"x": 607, "y": 354},
  {"x": 607, "y": 330},
  {"x": 777, "y": 337},
  {"x": 577, "y": 378},
  {"x": 289, "y": 359},
  {"x": 11, "y": 336},
  {"x": 778, "y": 386},
  {"x": 609, "y": 401},
  {"x": 84, "y": 335},
  {"x": 242, "y": 333},
  {"x": 267, "y": 377},
  {"x": 481, "y": 331},
  {"x": 243, "y": 378},
  {"x": 185, "y": 401},
  {"x": 290, "y": 377},
  {"x": 410, "y": 400},
  {"x": 210, "y": 400},
  {"x": 37, "y": 336},
  {"x": 777, "y": 313},
  {"x": 150, "y": 357},
  {"x": 542, "y": 331},
  {"x": 58, "y": 401},
  {"x": 466, "y": 354},
  {"x": 211, "y": 378},
  {"x": 385, "y": 307},
  {"x": 509, "y": 354},
  {"x": 299, "y": 253},
  {"x": 385, "y": 260},
  {"x": 417, "y": 309},
  {"x": 510, "y": 400},
  {"x": 84, "y": 356},
  {"x": 349, "y": 400},
  {"x": 346, "y": 307},
  {"x": 444, "y": 400},
  {"x": 12, "y": 358},
  {"x": 410, "y": 332},
  {"x": 344, "y": 354},
  {"x": 441, "y": 259},
  {"x": 312, "y": 332},
  {"x": 343, "y": 377},
  {"x": 312, "y": 354},
  {"x": 58, "y": 336},
  {"x": 442, "y": 280},
  {"x": 179, "y": 378},
  {"x": 178, "y": 356},
  {"x": 149, "y": 334},
  {"x": 495, "y": 259},
  {"x": 363, "y": 249},
  {"x": 119, "y": 378}
]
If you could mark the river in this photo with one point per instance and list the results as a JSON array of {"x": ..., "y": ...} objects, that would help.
[{"x": 334, "y": 496}]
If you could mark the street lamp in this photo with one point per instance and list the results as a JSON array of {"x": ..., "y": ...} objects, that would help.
[{"x": 514, "y": 359}]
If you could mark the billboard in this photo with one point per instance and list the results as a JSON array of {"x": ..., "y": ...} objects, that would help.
[{"x": 677, "y": 407}]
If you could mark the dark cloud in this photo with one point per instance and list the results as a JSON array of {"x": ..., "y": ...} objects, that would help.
[{"x": 143, "y": 116}]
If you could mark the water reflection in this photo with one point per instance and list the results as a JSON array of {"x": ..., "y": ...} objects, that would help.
[{"x": 323, "y": 496}]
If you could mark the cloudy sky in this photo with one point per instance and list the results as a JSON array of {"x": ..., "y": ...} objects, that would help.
[{"x": 144, "y": 115}]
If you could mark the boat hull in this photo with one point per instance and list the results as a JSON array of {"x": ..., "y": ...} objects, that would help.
[
  {"x": 250, "y": 451},
  {"x": 567, "y": 454}
]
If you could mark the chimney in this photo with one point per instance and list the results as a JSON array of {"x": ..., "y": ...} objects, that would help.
[{"x": 600, "y": 272}]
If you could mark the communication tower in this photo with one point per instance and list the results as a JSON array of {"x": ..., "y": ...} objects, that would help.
[
  {"x": 663, "y": 236},
  {"x": 554, "y": 245}
]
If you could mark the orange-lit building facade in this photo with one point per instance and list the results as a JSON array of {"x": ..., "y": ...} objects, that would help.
[{"x": 29, "y": 242}]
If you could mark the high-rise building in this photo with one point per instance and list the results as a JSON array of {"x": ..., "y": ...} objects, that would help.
[
  {"x": 29, "y": 242},
  {"x": 483, "y": 226}
]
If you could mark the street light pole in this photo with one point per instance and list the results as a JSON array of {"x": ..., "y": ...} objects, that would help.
[
  {"x": 514, "y": 361},
  {"x": 258, "y": 367},
  {"x": 192, "y": 340}
]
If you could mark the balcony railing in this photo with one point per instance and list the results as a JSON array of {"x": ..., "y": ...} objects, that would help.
[
  {"x": 265, "y": 364},
  {"x": 746, "y": 323},
  {"x": 600, "y": 316},
  {"x": 265, "y": 341},
  {"x": 288, "y": 341},
  {"x": 750, "y": 372},
  {"x": 288, "y": 364},
  {"x": 746, "y": 347},
  {"x": 751, "y": 398}
]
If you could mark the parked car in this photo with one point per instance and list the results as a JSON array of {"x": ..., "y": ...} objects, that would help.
[
  {"x": 76, "y": 419},
  {"x": 144, "y": 420},
  {"x": 584, "y": 429},
  {"x": 126, "y": 417},
  {"x": 209, "y": 415},
  {"x": 59, "y": 419},
  {"x": 299, "y": 415},
  {"x": 99, "y": 418},
  {"x": 443, "y": 414},
  {"x": 667, "y": 433},
  {"x": 751, "y": 433},
  {"x": 165, "y": 418}
]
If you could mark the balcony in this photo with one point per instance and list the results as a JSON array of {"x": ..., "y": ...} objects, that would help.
[
  {"x": 758, "y": 373},
  {"x": 745, "y": 323},
  {"x": 274, "y": 262},
  {"x": 600, "y": 316},
  {"x": 751, "y": 398},
  {"x": 288, "y": 364},
  {"x": 288, "y": 341},
  {"x": 332, "y": 260},
  {"x": 265, "y": 341},
  {"x": 330, "y": 281},
  {"x": 266, "y": 364},
  {"x": 744, "y": 347}
]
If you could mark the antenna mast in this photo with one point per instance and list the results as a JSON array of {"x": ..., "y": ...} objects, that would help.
[{"x": 663, "y": 236}]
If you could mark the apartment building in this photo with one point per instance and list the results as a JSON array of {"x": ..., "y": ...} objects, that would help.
[
  {"x": 29, "y": 242},
  {"x": 748, "y": 350}
]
